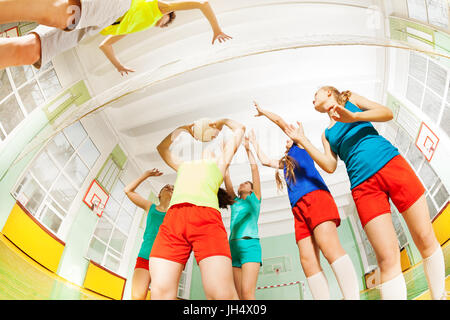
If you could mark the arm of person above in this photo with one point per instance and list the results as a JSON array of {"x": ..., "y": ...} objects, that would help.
[
  {"x": 135, "y": 197},
  {"x": 231, "y": 146},
  {"x": 265, "y": 160},
  {"x": 106, "y": 47},
  {"x": 164, "y": 147},
  {"x": 206, "y": 9},
  {"x": 372, "y": 111},
  {"x": 327, "y": 160},
  {"x": 229, "y": 185},
  {"x": 271, "y": 116},
  {"x": 254, "y": 168}
]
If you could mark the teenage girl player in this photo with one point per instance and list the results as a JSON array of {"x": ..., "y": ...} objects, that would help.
[
  {"x": 156, "y": 213},
  {"x": 316, "y": 217},
  {"x": 64, "y": 23},
  {"x": 193, "y": 221},
  {"x": 244, "y": 239},
  {"x": 377, "y": 173}
]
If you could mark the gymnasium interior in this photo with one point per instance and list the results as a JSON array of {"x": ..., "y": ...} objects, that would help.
[{"x": 76, "y": 122}]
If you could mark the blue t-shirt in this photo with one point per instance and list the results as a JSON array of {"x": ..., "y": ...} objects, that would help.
[
  {"x": 307, "y": 178},
  {"x": 244, "y": 217},
  {"x": 154, "y": 220},
  {"x": 359, "y": 145}
]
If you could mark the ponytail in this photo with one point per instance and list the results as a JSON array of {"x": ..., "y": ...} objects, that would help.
[
  {"x": 290, "y": 165},
  {"x": 341, "y": 97},
  {"x": 225, "y": 199}
]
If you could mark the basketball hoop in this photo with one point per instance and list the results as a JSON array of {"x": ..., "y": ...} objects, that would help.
[{"x": 98, "y": 207}]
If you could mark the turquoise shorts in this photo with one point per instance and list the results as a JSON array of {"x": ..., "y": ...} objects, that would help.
[{"x": 245, "y": 250}]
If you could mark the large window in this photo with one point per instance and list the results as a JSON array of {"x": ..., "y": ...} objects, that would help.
[
  {"x": 56, "y": 175},
  {"x": 428, "y": 89},
  {"x": 113, "y": 229},
  {"x": 434, "y": 12},
  {"x": 23, "y": 89},
  {"x": 436, "y": 193}
]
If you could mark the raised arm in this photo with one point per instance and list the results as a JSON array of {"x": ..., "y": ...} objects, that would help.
[
  {"x": 229, "y": 185},
  {"x": 254, "y": 168},
  {"x": 265, "y": 160},
  {"x": 204, "y": 7},
  {"x": 271, "y": 116},
  {"x": 231, "y": 146},
  {"x": 327, "y": 160},
  {"x": 106, "y": 47},
  {"x": 135, "y": 197},
  {"x": 164, "y": 147},
  {"x": 372, "y": 111}
]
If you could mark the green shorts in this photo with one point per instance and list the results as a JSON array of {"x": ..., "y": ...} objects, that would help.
[{"x": 245, "y": 250}]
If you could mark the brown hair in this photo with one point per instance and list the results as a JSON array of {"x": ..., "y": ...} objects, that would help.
[
  {"x": 225, "y": 199},
  {"x": 341, "y": 97},
  {"x": 172, "y": 17},
  {"x": 290, "y": 165}
]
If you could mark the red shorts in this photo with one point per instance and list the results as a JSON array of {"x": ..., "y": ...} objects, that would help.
[
  {"x": 187, "y": 227},
  {"x": 141, "y": 263},
  {"x": 313, "y": 209},
  {"x": 396, "y": 180}
]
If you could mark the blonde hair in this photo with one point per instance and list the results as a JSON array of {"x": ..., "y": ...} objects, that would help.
[
  {"x": 290, "y": 165},
  {"x": 341, "y": 97}
]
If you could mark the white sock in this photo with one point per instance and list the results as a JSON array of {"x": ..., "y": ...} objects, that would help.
[
  {"x": 318, "y": 285},
  {"x": 434, "y": 268},
  {"x": 394, "y": 289},
  {"x": 346, "y": 276}
]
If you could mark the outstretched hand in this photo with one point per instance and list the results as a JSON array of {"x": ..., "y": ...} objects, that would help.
[
  {"x": 246, "y": 143},
  {"x": 220, "y": 36},
  {"x": 124, "y": 70},
  {"x": 340, "y": 114},
  {"x": 297, "y": 134},
  {"x": 153, "y": 173},
  {"x": 259, "y": 111}
]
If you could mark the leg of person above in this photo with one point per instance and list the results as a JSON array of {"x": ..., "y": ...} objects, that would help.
[
  {"x": 250, "y": 272},
  {"x": 165, "y": 275},
  {"x": 310, "y": 261},
  {"x": 381, "y": 234},
  {"x": 18, "y": 51},
  {"x": 328, "y": 241},
  {"x": 53, "y": 13},
  {"x": 418, "y": 220},
  {"x": 139, "y": 286},
  {"x": 217, "y": 278}
]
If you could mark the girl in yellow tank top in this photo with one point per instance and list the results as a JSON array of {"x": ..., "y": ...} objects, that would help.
[
  {"x": 144, "y": 14},
  {"x": 193, "y": 221}
]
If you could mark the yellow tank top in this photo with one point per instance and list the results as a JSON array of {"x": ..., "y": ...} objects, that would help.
[
  {"x": 197, "y": 183},
  {"x": 143, "y": 14}
]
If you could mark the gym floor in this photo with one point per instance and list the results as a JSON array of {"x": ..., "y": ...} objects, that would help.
[{"x": 21, "y": 278}]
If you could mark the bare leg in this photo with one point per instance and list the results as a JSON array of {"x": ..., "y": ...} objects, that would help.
[
  {"x": 250, "y": 272},
  {"x": 139, "y": 286},
  {"x": 381, "y": 234},
  {"x": 217, "y": 278},
  {"x": 309, "y": 256},
  {"x": 237, "y": 276},
  {"x": 52, "y": 13},
  {"x": 327, "y": 239},
  {"x": 20, "y": 51},
  {"x": 165, "y": 275},
  {"x": 418, "y": 220}
]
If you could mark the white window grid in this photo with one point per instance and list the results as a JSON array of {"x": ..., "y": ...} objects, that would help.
[
  {"x": 427, "y": 14},
  {"x": 426, "y": 87},
  {"x": 37, "y": 74},
  {"x": 109, "y": 251},
  {"x": 45, "y": 203}
]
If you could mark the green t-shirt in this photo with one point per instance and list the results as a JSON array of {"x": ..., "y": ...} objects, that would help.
[
  {"x": 244, "y": 217},
  {"x": 154, "y": 220}
]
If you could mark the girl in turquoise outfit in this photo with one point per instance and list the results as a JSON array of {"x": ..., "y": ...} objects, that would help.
[
  {"x": 156, "y": 213},
  {"x": 244, "y": 239}
]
